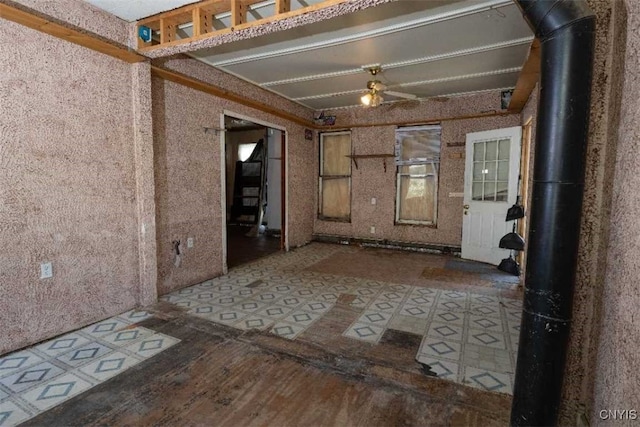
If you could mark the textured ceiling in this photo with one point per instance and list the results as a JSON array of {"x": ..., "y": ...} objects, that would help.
[
  {"x": 426, "y": 48},
  {"x": 132, "y": 10}
]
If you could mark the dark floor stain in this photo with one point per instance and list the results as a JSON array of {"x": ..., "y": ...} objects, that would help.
[
  {"x": 346, "y": 299},
  {"x": 255, "y": 284},
  {"x": 401, "y": 339},
  {"x": 470, "y": 267}
]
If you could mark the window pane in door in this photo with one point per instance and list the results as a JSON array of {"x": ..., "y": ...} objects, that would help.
[
  {"x": 492, "y": 150},
  {"x": 477, "y": 171},
  {"x": 490, "y": 191},
  {"x": 502, "y": 191},
  {"x": 476, "y": 191},
  {"x": 490, "y": 171},
  {"x": 478, "y": 151},
  {"x": 503, "y": 171},
  {"x": 505, "y": 146}
]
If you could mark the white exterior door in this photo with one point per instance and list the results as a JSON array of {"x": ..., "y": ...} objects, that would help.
[{"x": 491, "y": 171}]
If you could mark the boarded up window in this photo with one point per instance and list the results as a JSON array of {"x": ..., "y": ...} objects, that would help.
[
  {"x": 335, "y": 176},
  {"x": 418, "y": 162}
]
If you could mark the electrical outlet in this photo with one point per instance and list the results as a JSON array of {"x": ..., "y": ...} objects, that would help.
[
  {"x": 190, "y": 242},
  {"x": 46, "y": 270},
  {"x": 373, "y": 230},
  {"x": 373, "y": 201}
]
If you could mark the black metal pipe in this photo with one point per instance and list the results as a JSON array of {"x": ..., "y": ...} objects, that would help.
[{"x": 566, "y": 30}]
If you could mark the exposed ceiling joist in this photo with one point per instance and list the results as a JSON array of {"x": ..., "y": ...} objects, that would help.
[
  {"x": 32, "y": 19},
  {"x": 372, "y": 33},
  {"x": 199, "y": 18},
  {"x": 527, "y": 80}
]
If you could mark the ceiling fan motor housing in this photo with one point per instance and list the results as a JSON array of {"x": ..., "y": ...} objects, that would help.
[{"x": 375, "y": 85}]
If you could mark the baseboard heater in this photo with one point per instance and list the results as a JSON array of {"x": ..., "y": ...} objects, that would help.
[{"x": 430, "y": 248}]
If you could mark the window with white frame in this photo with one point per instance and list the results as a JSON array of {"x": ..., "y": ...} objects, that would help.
[
  {"x": 417, "y": 155},
  {"x": 334, "y": 201}
]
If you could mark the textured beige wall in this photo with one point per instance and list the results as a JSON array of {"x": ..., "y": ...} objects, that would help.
[
  {"x": 617, "y": 378},
  {"x": 80, "y": 13},
  {"x": 67, "y": 187},
  {"x": 187, "y": 174},
  {"x": 187, "y": 167},
  {"x": 370, "y": 180},
  {"x": 578, "y": 388}
]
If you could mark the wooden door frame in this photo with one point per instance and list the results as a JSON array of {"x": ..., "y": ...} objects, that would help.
[
  {"x": 525, "y": 174},
  {"x": 284, "y": 197}
]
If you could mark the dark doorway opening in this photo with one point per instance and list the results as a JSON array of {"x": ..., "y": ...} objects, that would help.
[{"x": 254, "y": 163}]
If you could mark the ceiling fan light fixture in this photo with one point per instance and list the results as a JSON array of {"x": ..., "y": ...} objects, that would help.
[
  {"x": 376, "y": 100},
  {"x": 371, "y": 99},
  {"x": 366, "y": 99}
]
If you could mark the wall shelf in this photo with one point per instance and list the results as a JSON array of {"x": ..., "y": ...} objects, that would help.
[{"x": 384, "y": 158}]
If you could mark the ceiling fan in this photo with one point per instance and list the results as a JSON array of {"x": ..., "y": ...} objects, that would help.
[{"x": 375, "y": 87}]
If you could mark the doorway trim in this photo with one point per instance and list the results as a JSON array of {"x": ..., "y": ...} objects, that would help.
[{"x": 223, "y": 178}]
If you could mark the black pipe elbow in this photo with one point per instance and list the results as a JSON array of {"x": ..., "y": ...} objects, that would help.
[{"x": 545, "y": 16}]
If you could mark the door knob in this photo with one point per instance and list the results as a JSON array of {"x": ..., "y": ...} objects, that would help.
[{"x": 466, "y": 206}]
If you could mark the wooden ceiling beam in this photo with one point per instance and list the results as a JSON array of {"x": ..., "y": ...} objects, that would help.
[
  {"x": 529, "y": 76},
  {"x": 283, "y": 6},
  {"x": 201, "y": 21},
  {"x": 429, "y": 120},
  {"x": 238, "y": 13},
  {"x": 32, "y": 19},
  {"x": 208, "y": 9},
  {"x": 214, "y": 90}
]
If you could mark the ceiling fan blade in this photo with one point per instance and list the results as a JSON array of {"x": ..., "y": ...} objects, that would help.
[{"x": 400, "y": 94}]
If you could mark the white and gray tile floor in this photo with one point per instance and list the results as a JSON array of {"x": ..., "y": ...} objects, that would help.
[
  {"x": 467, "y": 337},
  {"x": 43, "y": 376}
]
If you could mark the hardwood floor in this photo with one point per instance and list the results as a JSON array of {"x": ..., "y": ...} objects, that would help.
[
  {"x": 223, "y": 376},
  {"x": 242, "y": 249}
]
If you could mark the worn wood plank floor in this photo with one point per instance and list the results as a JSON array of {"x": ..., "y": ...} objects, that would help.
[
  {"x": 224, "y": 377},
  {"x": 219, "y": 376}
]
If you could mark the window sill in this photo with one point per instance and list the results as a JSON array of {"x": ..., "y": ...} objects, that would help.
[
  {"x": 328, "y": 219},
  {"x": 415, "y": 224}
]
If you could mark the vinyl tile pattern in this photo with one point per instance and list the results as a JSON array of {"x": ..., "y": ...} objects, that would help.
[
  {"x": 470, "y": 338},
  {"x": 43, "y": 376}
]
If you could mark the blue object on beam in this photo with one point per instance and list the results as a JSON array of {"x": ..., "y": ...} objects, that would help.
[{"x": 145, "y": 33}]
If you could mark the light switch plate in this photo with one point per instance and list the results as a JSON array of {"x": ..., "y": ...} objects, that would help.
[
  {"x": 46, "y": 270},
  {"x": 190, "y": 242}
]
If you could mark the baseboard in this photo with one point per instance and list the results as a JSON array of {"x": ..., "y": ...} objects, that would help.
[{"x": 432, "y": 248}]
